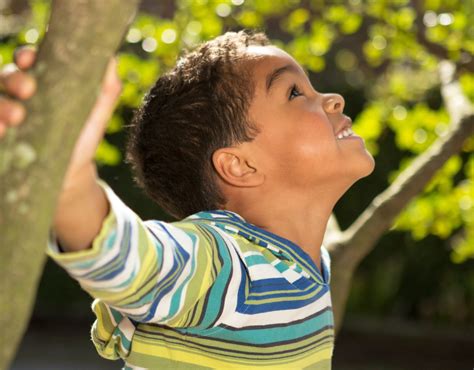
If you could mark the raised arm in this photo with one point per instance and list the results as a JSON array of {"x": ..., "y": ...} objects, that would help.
[
  {"x": 152, "y": 272},
  {"x": 82, "y": 204}
]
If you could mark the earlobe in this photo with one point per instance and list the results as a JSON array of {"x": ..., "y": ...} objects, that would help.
[{"x": 233, "y": 168}]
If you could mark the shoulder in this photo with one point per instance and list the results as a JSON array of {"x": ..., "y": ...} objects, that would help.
[{"x": 201, "y": 228}]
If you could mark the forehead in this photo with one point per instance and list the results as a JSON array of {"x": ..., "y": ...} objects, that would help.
[
  {"x": 269, "y": 54},
  {"x": 268, "y": 59}
]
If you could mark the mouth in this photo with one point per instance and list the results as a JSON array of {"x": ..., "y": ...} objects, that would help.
[{"x": 346, "y": 130}]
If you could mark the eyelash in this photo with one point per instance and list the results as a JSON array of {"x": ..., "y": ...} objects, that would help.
[{"x": 294, "y": 88}]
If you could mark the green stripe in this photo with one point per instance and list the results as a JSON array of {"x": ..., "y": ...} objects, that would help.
[
  {"x": 229, "y": 351},
  {"x": 285, "y": 298},
  {"x": 255, "y": 260}
]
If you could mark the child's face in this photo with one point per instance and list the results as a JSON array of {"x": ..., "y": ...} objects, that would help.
[{"x": 297, "y": 146}]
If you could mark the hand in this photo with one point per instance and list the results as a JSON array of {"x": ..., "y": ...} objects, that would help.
[
  {"x": 19, "y": 85},
  {"x": 94, "y": 129}
]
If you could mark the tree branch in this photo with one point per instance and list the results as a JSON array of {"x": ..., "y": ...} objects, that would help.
[
  {"x": 380, "y": 214},
  {"x": 333, "y": 232},
  {"x": 360, "y": 238}
]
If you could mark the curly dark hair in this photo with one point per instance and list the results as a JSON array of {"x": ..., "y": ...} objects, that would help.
[{"x": 199, "y": 106}]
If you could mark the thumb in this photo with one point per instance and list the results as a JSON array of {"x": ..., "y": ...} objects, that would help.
[
  {"x": 95, "y": 126},
  {"x": 109, "y": 94},
  {"x": 111, "y": 84}
]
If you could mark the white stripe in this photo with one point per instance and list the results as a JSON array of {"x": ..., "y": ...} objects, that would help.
[
  {"x": 291, "y": 275},
  {"x": 252, "y": 253},
  {"x": 191, "y": 248},
  {"x": 131, "y": 265},
  {"x": 127, "y": 328},
  {"x": 230, "y": 298},
  {"x": 261, "y": 272},
  {"x": 239, "y": 320}
]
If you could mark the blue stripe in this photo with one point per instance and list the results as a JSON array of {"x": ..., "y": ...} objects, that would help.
[
  {"x": 286, "y": 305},
  {"x": 290, "y": 332}
]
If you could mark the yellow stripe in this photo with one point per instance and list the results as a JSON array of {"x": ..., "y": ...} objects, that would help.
[{"x": 197, "y": 357}]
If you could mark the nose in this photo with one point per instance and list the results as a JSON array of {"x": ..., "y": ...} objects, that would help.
[{"x": 333, "y": 103}]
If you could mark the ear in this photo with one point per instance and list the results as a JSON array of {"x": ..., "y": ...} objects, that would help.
[{"x": 235, "y": 169}]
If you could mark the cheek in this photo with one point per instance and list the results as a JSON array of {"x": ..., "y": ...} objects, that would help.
[
  {"x": 295, "y": 145},
  {"x": 312, "y": 137}
]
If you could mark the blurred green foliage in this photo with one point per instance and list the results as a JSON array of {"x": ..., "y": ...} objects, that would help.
[{"x": 370, "y": 48}]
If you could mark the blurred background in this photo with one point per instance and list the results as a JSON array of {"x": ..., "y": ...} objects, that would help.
[{"x": 412, "y": 300}]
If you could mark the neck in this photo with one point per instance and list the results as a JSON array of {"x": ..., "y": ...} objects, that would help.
[{"x": 292, "y": 215}]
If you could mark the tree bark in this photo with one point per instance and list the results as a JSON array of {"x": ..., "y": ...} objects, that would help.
[
  {"x": 354, "y": 243},
  {"x": 82, "y": 36}
]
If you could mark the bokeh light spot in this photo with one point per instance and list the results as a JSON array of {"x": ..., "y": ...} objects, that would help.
[
  {"x": 346, "y": 60},
  {"x": 134, "y": 35},
  {"x": 430, "y": 19},
  {"x": 194, "y": 27},
  {"x": 445, "y": 19},
  {"x": 149, "y": 44},
  {"x": 420, "y": 136},
  {"x": 465, "y": 203},
  {"x": 399, "y": 113},
  {"x": 379, "y": 42},
  {"x": 223, "y": 10},
  {"x": 168, "y": 36},
  {"x": 31, "y": 36}
]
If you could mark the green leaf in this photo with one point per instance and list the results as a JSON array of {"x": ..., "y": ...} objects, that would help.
[
  {"x": 351, "y": 24},
  {"x": 296, "y": 20},
  {"x": 107, "y": 154}
]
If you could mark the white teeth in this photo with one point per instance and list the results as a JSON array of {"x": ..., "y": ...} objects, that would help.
[{"x": 345, "y": 133}]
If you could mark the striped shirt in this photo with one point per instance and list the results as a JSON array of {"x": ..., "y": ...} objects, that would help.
[{"x": 209, "y": 291}]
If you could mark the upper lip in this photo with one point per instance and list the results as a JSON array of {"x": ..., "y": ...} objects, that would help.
[{"x": 346, "y": 122}]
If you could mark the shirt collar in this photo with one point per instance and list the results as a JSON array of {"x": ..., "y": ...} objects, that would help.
[{"x": 233, "y": 222}]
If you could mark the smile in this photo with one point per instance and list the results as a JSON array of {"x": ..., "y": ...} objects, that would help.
[{"x": 345, "y": 133}]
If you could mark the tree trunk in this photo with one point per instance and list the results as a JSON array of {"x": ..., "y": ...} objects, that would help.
[{"x": 82, "y": 36}]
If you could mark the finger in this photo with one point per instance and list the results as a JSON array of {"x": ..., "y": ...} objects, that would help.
[
  {"x": 111, "y": 83},
  {"x": 96, "y": 124},
  {"x": 11, "y": 112},
  {"x": 6, "y": 70},
  {"x": 18, "y": 84},
  {"x": 3, "y": 129},
  {"x": 25, "y": 57},
  {"x": 101, "y": 113}
]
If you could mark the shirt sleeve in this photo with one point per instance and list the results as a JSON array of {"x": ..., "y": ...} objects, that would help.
[{"x": 151, "y": 271}]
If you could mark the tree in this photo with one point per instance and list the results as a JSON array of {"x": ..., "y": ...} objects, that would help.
[
  {"x": 69, "y": 68},
  {"x": 413, "y": 62}
]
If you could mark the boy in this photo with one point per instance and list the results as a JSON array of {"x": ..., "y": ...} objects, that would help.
[{"x": 237, "y": 144}]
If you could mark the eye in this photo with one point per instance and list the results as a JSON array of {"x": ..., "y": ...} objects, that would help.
[{"x": 294, "y": 92}]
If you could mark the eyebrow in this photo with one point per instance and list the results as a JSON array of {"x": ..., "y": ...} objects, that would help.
[{"x": 276, "y": 73}]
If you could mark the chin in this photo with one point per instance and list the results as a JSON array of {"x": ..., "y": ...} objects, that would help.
[{"x": 367, "y": 166}]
